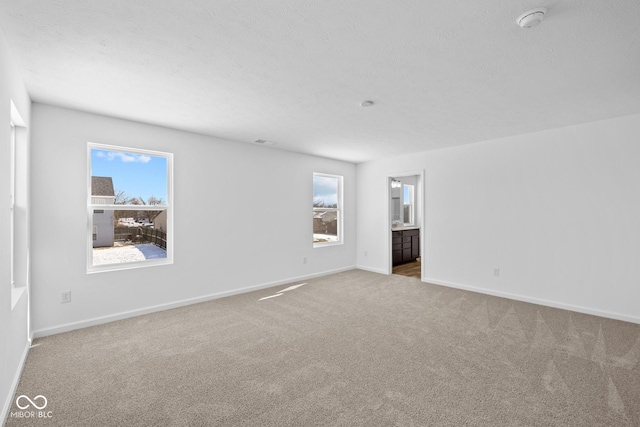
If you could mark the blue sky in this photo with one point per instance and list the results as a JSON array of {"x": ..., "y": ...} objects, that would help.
[
  {"x": 326, "y": 189},
  {"x": 138, "y": 175}
]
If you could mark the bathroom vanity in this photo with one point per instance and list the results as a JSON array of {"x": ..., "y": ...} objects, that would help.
[{"x": 405, "y": 244}]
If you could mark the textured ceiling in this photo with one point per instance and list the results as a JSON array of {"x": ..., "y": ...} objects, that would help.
[{"x": 441, "y": 73}]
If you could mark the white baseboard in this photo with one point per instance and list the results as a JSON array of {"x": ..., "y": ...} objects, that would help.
[
  {"x": 152, "y": 309},
  {"x": 554, "y": 304},
  {"x": 373, "y": 270},
  {"x": 14, "y": 385}
]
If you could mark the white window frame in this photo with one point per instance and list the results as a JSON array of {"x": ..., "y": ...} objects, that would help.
[
  {"x": 168, "y": 207},
  {"x": 338, "y": 210}
]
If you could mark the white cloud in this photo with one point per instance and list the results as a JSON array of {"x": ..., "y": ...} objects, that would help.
[{"x": 124, "y": 157}]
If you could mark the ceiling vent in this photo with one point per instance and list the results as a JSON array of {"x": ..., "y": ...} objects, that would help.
[{"x": 531, "y": 18}]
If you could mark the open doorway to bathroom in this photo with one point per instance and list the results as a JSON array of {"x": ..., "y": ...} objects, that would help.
[{"x": 405, "y": 224}]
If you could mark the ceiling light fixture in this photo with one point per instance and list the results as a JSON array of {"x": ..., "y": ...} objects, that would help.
[
  {"x": 367, "y": 103},
  {"x": 531, "y": 18},
  {"x": 396, "y": 183}
]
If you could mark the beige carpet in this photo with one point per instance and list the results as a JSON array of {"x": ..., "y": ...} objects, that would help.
[{"x": 350, "y": 349}]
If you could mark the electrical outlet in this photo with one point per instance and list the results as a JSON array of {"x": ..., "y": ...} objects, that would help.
[
  {"x": 365, "y": 253},
  {"x": 496, "y": 271},
  {"x": 65, "y": 297},
  {"x": 304, "y": 259}
]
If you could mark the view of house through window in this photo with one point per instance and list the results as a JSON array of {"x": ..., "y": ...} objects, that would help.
[
  {"x": 327, "y": 215},
  {"x": 129, "y": 206}
]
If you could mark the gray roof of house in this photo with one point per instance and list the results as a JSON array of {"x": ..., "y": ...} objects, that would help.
[{"x": 102, "y": 186}]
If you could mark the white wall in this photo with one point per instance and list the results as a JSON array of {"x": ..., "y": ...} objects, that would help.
[
  {"x": 262, "y": 242},
  {"x": 557, "y": 212},
  {"x": 14, "y": 341}
]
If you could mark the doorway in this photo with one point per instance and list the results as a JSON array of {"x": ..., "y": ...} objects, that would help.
[{"x": 405, "y": 224}]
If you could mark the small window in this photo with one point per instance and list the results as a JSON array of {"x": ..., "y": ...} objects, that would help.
[
  {"x": 408, "y": 191},
  {"x": 327, "y": 209},
  {"x": 128, "y": 189}
]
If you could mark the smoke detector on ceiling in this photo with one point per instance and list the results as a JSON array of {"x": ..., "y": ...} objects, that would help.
[{"x": 532, "y": 18}]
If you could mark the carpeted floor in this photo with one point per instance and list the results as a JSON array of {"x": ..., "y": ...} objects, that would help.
[{"x": 350, "y": 349}]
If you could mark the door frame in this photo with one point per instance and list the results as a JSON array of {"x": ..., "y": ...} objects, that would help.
[{"x": 420, "y": 204}]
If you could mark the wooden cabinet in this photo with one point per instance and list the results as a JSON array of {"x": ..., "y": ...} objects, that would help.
[{"x": 405, "y": 246}]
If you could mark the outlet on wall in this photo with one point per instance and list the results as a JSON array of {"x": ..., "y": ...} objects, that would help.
[
  {"x": 304, "y": 259},
  {"x": 496, "y": 271},
  {"x": 65, "y": 296}
]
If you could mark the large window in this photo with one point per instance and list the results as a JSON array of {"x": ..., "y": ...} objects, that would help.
[
  {"x": 18, "y": 207},
  {"x": 12, "y": 201},
  {"x": 129, "y": 208},
  {"x": 327, "y": 209}
]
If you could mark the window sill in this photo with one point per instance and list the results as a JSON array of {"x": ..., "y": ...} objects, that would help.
[
  {"x": 323, "y": 244},
  {"x": 128, "y": 265}
]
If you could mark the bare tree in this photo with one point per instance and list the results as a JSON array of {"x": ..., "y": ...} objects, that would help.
[
  {"x": 319, "y": 202},
  {"x": 121, "y": 198},
  {"x": 151, "y": 201},
  {"x": 128, "y": 224}
]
